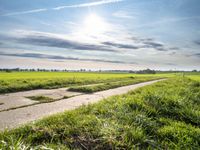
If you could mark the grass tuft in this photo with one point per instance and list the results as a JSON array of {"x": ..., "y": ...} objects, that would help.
[{"x": 41, "y": 99}]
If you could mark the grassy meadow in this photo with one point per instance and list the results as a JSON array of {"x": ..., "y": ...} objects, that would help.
[
  {"x": 194, "y": 77},
  {"x": 165, "y": 115},
  {"x": 21, "y": 81}
]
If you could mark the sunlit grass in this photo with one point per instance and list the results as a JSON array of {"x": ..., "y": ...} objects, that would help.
[
  {"x": 20, "y": 81},
  {"x": 37, "y": 75},
  {"x": 165, "y": 115},
  {"x": 194, "y": 77}
]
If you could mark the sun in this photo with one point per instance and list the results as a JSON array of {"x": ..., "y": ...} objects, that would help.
[{"x": 93, "y": 24}]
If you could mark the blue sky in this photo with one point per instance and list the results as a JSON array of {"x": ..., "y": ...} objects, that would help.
[{"x": 100, "y": 34}]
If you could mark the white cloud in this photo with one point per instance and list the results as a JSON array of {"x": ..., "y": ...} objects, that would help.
[
  {"x": 122, "y": 14},
  {"x": 169, "y": 20},
  {"x": 102, "y": 2},
  {"x": 25, "y": 12}
]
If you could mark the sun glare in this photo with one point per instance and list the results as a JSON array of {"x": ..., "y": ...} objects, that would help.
[{"x": 94, "y": 24}]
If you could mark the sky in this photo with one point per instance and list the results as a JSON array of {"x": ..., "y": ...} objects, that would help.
[{"x": 100, "y": 34}]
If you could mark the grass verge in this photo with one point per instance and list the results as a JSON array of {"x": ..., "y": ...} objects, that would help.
[
  {"x": 111, "y": 85},
  {"x": 165, "y": 115}
]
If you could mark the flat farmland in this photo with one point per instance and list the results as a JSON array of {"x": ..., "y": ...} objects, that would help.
[
  {"x": 194, "y": 76},
  {"x": 21, "y": 81}
]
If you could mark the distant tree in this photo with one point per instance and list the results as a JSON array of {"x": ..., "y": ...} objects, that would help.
[
  {"x": 8, "y": 70},
  {"x": 146, "y": 71},
  {"x": 194, "y": 70}
]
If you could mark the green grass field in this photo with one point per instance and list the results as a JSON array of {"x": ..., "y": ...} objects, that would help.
[
  {"x": 21, "y": 81},
  {"x": 165, "y": 115},
  {"x": 38, "y": 75},
  {"x": 194, "y": 77}
]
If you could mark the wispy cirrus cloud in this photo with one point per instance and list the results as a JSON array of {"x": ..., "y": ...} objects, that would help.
[
  {"x": 102, "y": 2},
  {"x": 122, "y": 14},
  {"x": 169, "y": 20},
  {"x": 82, "y": 5},
  {"x": 25, "y": 12}
]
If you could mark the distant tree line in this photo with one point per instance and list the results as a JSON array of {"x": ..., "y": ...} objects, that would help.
[
  {"x": 145, "y": 71},
  {"x": 31, "y": 70}
]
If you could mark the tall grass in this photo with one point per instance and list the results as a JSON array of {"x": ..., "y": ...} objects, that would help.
[{"x": 165, "y": 115}]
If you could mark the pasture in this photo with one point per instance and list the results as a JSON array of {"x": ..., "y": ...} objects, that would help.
[
  {"x": 21, "y": 81},
  {"x": 194, "y": 77}
]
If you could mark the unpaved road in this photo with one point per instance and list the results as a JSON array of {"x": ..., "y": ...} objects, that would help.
[
  {"x": 19, "y": 99},
  {"x": 14, "y": 118}
]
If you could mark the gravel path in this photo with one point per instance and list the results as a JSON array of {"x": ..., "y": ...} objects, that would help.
[{"x": 14, "y": 118}]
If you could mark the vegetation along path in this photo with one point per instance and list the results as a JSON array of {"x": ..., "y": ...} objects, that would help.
[{"x": 15, "y": 117}]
